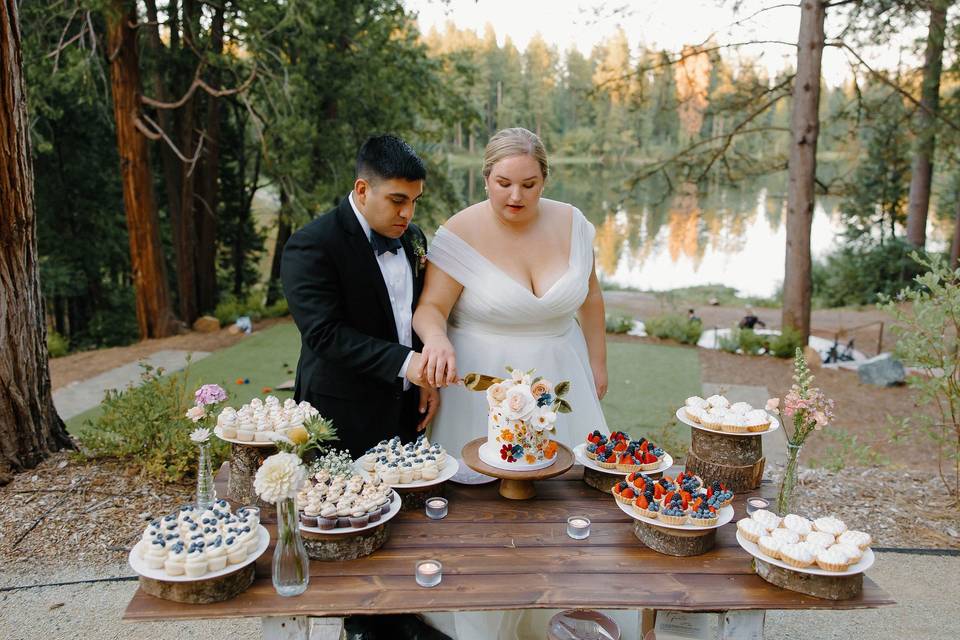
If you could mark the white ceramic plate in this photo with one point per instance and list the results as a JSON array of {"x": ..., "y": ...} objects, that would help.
[
  {"x": 725, "y": 515},
  {"x": 250, "y": 443},
  {"x": 394, "y": 510},
  {"x": 580, "y": 451},
  {"x": 682, "y": 417},
  {"x": 450, "y": 468},
  {"x": 139, "y": 564},
  {"x": 865, "y": 562}
]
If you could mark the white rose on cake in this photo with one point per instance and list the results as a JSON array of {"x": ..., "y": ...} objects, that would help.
[
  {"x": 545, "y": 419},
  {"x": 496, "y": 394},
  {"x": 519, "y": 403}
]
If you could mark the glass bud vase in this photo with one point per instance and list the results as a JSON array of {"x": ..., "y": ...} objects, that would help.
[
  {"x": 291, "y": 566},
  {"x": 789, "y": 479},
  {"x": 206, "y": 492}
]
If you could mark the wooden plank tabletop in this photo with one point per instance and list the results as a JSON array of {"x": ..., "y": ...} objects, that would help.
[{"x": 499, "y": 554}]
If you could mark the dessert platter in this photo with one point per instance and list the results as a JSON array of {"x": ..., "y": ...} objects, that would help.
[
  {"x": 256, "y": 423},
  {"x": 521, "y": 418},
  {"x": 602, "y": 469},
  {"x": 820, "y": 557},
  {"x": 199, "y": 556},
  {"x": 717, "y": 414},
  {"x": 676, "y": 515},
  {"x": 414, "y": 465}
]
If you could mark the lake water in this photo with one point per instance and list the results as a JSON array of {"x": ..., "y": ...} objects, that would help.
[{"x": 653, "y": 239}]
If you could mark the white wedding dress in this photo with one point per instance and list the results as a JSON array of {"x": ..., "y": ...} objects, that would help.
[{"x": 499, "y": 322}]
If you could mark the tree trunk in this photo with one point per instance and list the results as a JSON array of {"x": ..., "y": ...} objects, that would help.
[
  {"x": 921, "y": 169},
  {"x": 274, "y": 289},
  {"x": 207, "y": 198},
  {"x": 154, "y": 313},
  {"x": 804, "y": 129},
  {"x": 955, "y": 245},
  {"x": 30, "y": 428}
]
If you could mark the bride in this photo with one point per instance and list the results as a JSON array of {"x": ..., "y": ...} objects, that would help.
[{"x": 507, "y": 281}]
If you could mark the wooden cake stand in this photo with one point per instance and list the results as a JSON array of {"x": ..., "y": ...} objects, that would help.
[{"x": 516, "y": 485}]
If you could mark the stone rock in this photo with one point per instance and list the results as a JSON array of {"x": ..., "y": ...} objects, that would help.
[
  {"x": 883, "y": 371},
  {"x": 234, "y": 330},
  {"x": 812, "y": 356},
  {"x": 206, "y": 324}
]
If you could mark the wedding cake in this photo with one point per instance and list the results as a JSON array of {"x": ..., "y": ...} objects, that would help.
[{"x": 521, "y": 419}]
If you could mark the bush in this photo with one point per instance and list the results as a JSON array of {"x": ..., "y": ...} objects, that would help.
[
  {"x": 786, "y": 344},
  {"x": 731, "y": 343},
  {"x": 619, "y": 323},
  {"x": 277, "y": 310},
  {"x": 230, "y": 308},
  {"x": 146, "y": 425},
  {"x": 862, "y": 275},
  {"x": 674, "y": 327},
  {"x": 751, "y": 343},
  {"x": 57, "y": 345}
]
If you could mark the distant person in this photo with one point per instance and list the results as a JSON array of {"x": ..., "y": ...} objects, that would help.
[
  {"x": 693, "y": 317},
  {"x": 750, "y": 321}
]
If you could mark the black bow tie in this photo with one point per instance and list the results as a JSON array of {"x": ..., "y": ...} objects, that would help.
[{"x": 382, "y": 244}]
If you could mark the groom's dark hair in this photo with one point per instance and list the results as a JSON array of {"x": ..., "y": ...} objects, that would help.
[{"x": 388, "y": 157}]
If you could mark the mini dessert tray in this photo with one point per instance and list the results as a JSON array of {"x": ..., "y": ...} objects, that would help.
[
  {"x": 580, "y": 451},
  {"x": 217, "y": 431},
  {"x": 139, "y": 564},
  {"x": 450, "y": 468},
  {"x": 682, "y": 417},
  {"x": 753, "y": 549},
  {"x": 724, "y": 515},
  {"x": 395, "y": 504}
]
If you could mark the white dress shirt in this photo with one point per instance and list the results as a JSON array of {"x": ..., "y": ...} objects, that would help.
[{"x": 398, "y": 277}]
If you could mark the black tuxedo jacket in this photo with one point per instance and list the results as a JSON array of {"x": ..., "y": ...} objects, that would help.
[{"x": 349, "y": 351}]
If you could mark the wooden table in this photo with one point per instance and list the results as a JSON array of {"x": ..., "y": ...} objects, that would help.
[{"x": 502, "y": 554}]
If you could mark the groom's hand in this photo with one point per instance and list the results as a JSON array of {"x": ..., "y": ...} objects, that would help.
[
  {"x": 415, "y": 370},
  {"x": 429, "y": 403}
]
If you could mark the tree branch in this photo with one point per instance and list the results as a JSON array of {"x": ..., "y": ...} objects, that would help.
[{"x": 198, "y": 83}]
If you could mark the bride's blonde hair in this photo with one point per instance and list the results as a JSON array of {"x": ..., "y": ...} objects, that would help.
[{"x": 515, "y": 141}]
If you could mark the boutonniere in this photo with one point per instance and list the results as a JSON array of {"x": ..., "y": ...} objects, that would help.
[{"x": 420, "y": 251}]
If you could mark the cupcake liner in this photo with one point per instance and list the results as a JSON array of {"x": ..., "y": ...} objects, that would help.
[{"x": 758, "y": 428}]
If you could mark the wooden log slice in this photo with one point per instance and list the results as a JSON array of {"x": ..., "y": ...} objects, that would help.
[
  {"x": 736, "y": 451},
  {"x": 826, "y": 587},
  {"x": 415, "y": 499},
  {"x": 244, "y": 462},
  {"x": 737, "y": 478},
  {"x": 346, "y": 546},
  {"x": 605, "y": 481},
  {"x": 675, "y": 542},
  {"x": 201, "y": 591}
]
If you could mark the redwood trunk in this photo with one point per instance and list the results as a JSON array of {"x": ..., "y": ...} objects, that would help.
[
  {"x": 284, "y": 231},
  {"x": 30, "y": 428},
  {"x": 955, "y": 245},
  {"x": 804, "y": 128},
  {"x": 921, "y": 170},
  {"x": 154, "y": 313}
]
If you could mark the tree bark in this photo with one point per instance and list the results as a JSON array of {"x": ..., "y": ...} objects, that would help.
[
  {"x": 30, "y": 428},
  {"x": 284, "y": 231},
  {"x": 804, "y": 127},
  {"x": 921, "y": 170},
  {"x": 154, "y": 313},
  {"x": 955, "y": 245}
]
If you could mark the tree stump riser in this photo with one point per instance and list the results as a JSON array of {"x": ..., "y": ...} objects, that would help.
[
  {"x": 416, "y": 499},
  {"x": 605, "y": 481},
  {"x": 737, "y": 478},
  {"x": 201, "y": 591},
  {"x": 346, "y": 546},
  {"x": 825, "y": 587},
  {"x": 244, "y": 462},
  {"x": 675, "y": 542}
]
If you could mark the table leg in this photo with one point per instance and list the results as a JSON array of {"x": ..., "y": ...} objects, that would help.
[{"x": 301, "y": 628}]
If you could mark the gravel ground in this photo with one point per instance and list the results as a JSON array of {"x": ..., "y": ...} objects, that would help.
[{"x": 94, "y": 611}]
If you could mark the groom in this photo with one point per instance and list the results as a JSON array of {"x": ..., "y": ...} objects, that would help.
[{"x": 352, "y": 278}]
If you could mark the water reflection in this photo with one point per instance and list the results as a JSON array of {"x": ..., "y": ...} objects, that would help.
[{"x": 657, "y": 238}]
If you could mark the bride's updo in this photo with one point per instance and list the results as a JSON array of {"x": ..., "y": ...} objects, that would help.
[{"x": 515, "y": 141}]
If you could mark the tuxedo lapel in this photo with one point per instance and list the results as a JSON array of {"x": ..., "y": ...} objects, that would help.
[{"x": 367, "y": 270}]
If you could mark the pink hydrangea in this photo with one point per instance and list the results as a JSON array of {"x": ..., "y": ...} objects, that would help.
[{"x": 209, "y": 394}]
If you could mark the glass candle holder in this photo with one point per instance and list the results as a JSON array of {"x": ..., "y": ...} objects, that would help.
[
  {"x": 755, "y": 503},
  {"x": 250, "y": 510},
  {"x": 437, "y": 508},
  {"x": 578, "y": 527},
  {"x": 429, "y": 573}
]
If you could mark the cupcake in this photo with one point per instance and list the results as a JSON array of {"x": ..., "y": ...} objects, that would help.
[
  {"x": 798, "y": 524},
  {"x": 406, "y": 473},
  {"x": 328, "y": 518},
  {"x": 740, "y": 408},
  {"x": 798, "y": 555},
  {"x": 373, "y": 512},
  {"x": 430, "y": 469},
  {"x": 309, "y": 516},
  {"x": 770, "y": 546},
  {"x": 733, "y": 423},
  {"x": 696, "y": 402},
  {"x": 695, "y": 413},
  {"x": 176, "y": 558},
  {"x": 358, "y": 518},
  {"x": 384, "y": 503},
  {"x": 236, "y": 552},
  {"x": 785, "y": 536},
  {"x": 713, "y": 420},
  {"x": 250, "y": 539},
  {"x": 156, "y": 554},
  {"x": 820, "y": 539},
  {"x": 718, "y": 402},
  {"x": 855, "y": 538},
  {"x": 833, "y": 559},
  {"x": 196, "y": 563},
  {"x": 769, "y": 520},
  {"x": 830, "y": 525},
  {"x": 343, "y": 516},
  {"x": 751, "y": 529},
  {"x": 757, "y": 421},
  {"x": 216, "y": 555},
  {"x": 854, "y": 552}
]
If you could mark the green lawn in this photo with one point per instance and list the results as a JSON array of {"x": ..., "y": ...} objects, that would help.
[
  {"x": 259, "y": 358},
  {"x": 647, "y": 382}
]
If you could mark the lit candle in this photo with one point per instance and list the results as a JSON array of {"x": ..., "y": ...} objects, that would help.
[
  {"x": 578, "y": 527},
  {"x": 436, "y": 508},
  {"x": 429, "y": 573}
]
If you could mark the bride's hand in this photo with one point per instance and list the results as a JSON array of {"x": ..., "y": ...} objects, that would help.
[
  {"x": 600, "y": 379},
  {"x": 439, "y": 362}
]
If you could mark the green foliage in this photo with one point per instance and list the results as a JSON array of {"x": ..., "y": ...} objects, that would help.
[
  {"x": 57, "y": 345},
  {"x": 146, "y": 426},
  {"x": 730, "y": 343},
  {"x": 231, "y": 308},
  {"x": 927, "y": 329},
  {"x": 860, "y": 274},
  {"x": 619, "y": 322},
  {"x": 751, "y": 343},
  {"x": 787, "y": 344},
  {"x": 674, "y": 327}
]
